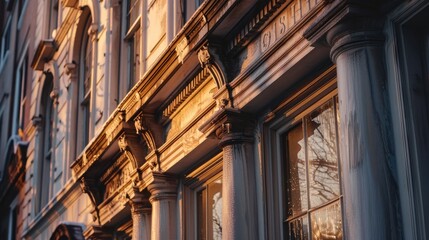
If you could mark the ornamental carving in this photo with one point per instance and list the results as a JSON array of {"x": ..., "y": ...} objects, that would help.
[
  {"x": 149, "y": 130},
  {"x": 94, "y": 189},
  {"x": 131, "y": 147},
  {"x": 210, "y": 58},
  {"x": 230, "y": 125}
]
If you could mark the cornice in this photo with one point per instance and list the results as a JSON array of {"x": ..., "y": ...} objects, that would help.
[
  {"x": 247, "y": 32},
  {"x": 44, "y": 53},
  {"x": 154, "y": 79}
]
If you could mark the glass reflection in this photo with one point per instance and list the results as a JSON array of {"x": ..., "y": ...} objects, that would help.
[
  {"x": 326, "y": 223},
  {"x": 215, "y": 196},
  {"x": 209, "y": 211},
  {"x": 298, "y": 228},
  {"x": 322, "y": 156},
  {"x": 296, "y": 173}
]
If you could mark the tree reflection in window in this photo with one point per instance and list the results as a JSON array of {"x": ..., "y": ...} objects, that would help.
[
  {"x": 312, "y": 176},
  {"x": 209, "y": 211}
]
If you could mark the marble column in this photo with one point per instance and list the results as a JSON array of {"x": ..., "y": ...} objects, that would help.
[
  {"x": 163, "y": 190},
  {"x": 239, "y": 210},
  {"x": 141, "y": 217},
  {"x": 371, "y": 199}
]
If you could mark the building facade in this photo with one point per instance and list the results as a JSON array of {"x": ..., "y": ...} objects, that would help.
[{"x": 229, "y": 119}]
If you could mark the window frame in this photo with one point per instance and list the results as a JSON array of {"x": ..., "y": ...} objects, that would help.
[
  {"x": 133, "y": 30},
  {"x": 301, "y": 122},
  {"x": 84, "y": 99},
  {"x": 194, "y": 182},
  {"x": 12, "y": 221},
  {"x": 301, "y": 99},
  {"x": 6, "y": 38},
  {"x": 44, "y": 176},
  {"x": 20, "y": 92},
  {"x": 22, "y": 5}
]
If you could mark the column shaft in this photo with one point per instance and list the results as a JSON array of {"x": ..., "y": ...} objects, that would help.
[
  {"x": 369, "y": 186},
  {"x": 163, "y": 191},
  {"x": 239, "y": 205},
  {"x": 141, "y": 222}
]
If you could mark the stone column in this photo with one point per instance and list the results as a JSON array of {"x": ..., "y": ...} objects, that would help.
[
  {"x": 163, "y": 190},
  {"x": 239, "y": 209},
  {"x": 140, "y": 214},
  {"x": 371, "y": 202}
]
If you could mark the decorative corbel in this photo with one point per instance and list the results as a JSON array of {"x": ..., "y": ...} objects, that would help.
[
  {"x": 93, "y": 188},
  {"x": 209, "y": 57},
  {"x": 131, "y": 146},
  {"x": 149, "y": 129},
  {"x": 71, "y": 71}
]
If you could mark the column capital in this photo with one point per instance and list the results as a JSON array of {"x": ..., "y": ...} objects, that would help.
[
  {"x": 139, "y": 202},
  {"x": 230, "y": 125},
  {"x": 348, "y": 21},
  {"x": 162, "y": 186}
]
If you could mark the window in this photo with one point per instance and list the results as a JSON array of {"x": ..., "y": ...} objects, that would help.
[
  {"x": 53, "y": 17},
  {"x": 133, "y": 42},
  {"x": 202, "y": 194},
  {"x": 13, "y": 217},
  {"x": 209, "y": 210},
  {"x": 85, "y": 89},
  {"x": 311, "y": 174},
  {"x": 5, "y": 43},
  {"x": 20, "y": 99},
  {"x": 190, "y": 7},
  {"x": 22, "y": 7},
  {"x": 44, "y": 184}
]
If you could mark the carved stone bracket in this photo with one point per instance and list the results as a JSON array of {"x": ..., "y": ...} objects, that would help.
[
  {"x": 93, "y": 188},
  {"x": 230, "y": 125},
  {"x": 210, "y": 58},
  {"x": 134, "y": 150},
  {"x": 151, "y": 132}
]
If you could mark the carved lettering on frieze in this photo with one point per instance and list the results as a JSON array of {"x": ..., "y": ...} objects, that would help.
[
  {"x": 284, "y": 22},
  {"x": 116, "y": 183}
]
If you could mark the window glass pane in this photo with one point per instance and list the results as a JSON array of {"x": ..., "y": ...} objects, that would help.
[
  {"x": 296, "y": 172},
  {"x": 322, "y": 155},
  {"x": 133, "y": 11},
  {"x": 136, "y": 56},
  {"x": 209, "y": 211},
  {"x": 298, "y": 228},
  {"x": 326, "y": 222},
  {"x": 215, "y": 205},
  {"x": 87, "y": 69}
]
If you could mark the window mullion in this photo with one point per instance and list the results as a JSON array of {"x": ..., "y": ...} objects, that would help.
[{"x": 304, "y": 128}]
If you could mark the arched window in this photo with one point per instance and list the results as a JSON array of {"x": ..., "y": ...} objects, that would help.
[
  {"x": 44, "y": 184},
  {"x": 85, "y": 88}
]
